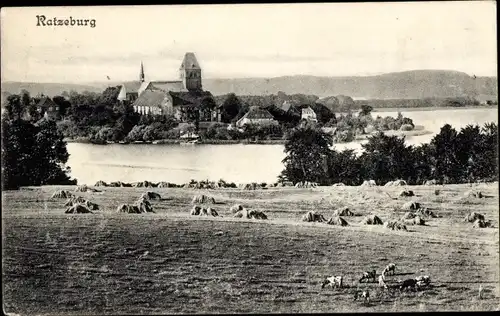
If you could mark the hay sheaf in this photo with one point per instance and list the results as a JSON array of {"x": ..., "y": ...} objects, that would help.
[
  {"x": 100, "y": 183},
  {"x": 144, "y": 184},
  {"x": 249, "y": 186},
  {"x": 85, "y": 188},
  {"x": 411, "y": 206},
  {"x": 164, "y": 184},
  {"x": 395, "y": 183},
  {"x": 430, "y": 182},
  {"x": 200, "y": 211},
  {"x": 417, "y": 220},
  {"x": 372, "y": 220},
  {"x": 78, "y": 209},
  {"x": 369, "y": 183},
  {"x": 337, "y": 220},
  {"x": 119, "y": 184},
  {"x": 62, "y": 194},
  {"x": 395, "y": 225},
  {"x": 479, "y": 223},
  {"x": 250, "y": 214},
  {"x": 150, "y": 196},
  {"x": 78, "y": 200},
  {"x": 202, "y": 199},
  {"x": 424, "y": 212},
  {"x": 306, "y": 184},
  {"x": 285, "y": 184},
  {"x": 406, "y": 193},
  {"x": 236, "y": 208},
  {"x": 472, "y": 217},
  {"x": 127, "y": 208},
  {"x": 140, "y": 206},
  {"x": 408, "y": 215},
  {"x": 313, "y": 217},
  {"x": 474, "y": 194},
  {"x": 344, "y": 211}
]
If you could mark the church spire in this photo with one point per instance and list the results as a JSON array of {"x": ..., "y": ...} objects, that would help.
[{"x": 141, "y": 75}]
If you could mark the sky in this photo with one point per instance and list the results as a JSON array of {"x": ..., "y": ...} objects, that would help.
[{"x": 249, "y": 40}]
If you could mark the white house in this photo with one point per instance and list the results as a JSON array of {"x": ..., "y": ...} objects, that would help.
[
  {"x": 309, "y": 114},
  {"x": 256, "y": 115}
]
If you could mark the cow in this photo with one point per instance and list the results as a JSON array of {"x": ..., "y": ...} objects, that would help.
[
  {"x": 365, "y": 295},
  {"x": 381, "y": 282},
  {"x": 408, "y": 283},
  {"x": 368, "y": 275},
  {"x": 391, "y": 267},
  {"x": 423, "y": 280},
  {"x": 333, "y": 281}
]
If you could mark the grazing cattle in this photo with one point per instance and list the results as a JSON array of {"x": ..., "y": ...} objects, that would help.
[
  {"x": 381, "y": 281},
  {"x": 391, "y": 267},
  {"x": 472, "y": 217},
  {"x": 365, "y": 295},
  {"x": 409, "y": 283},
  {"x": 423, "y": 280},
  {"x": 333, "y": 281},
  {"x": 368, "y": 275}
]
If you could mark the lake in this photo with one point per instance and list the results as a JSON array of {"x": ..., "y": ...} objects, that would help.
[{"x": 235, "y": 163}]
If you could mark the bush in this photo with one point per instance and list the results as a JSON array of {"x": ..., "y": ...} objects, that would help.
[{"x": 407, "y": 127}]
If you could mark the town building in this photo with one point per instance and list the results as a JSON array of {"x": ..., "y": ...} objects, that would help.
[
  {"x": 48, "y": 108},
  {"x": 181, "y": 98},
  {"x": 309, "y": 114},
  {"x": 257, "y": 115}
]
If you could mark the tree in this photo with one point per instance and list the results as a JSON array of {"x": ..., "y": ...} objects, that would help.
[
  {"x": 14, "y": 108},
  {"x": 365, "y": 110},
  {"x": 344, "y": 167},
  {"x": 33, "y": 154},
  {"x": 307, "y": 150},
  {"x": 386, "y": 158},
  {"x": 445, "y": 162},
  {"x": 230, "y": 108}
]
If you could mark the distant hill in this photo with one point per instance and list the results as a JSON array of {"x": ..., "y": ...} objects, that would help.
[
  {"x": 415, "y": 84},
  {"x": 50, "y": 89},
  {"x": 402, "y": 85}
]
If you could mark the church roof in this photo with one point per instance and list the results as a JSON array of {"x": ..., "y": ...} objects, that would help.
[
  {"x": 190, "y": 62},
  {"x": 255, "y": 113},
  {"x": 154, "y": 98},
  {"x": 150, "y": 98},
  {"x": 175, "y": 86},
  {"x": 46, "y": 101},
  {"x": 191, "y": 97},
  {"x": 132, "y": 86}
]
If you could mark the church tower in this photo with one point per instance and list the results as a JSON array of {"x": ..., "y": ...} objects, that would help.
[
  {"x": 190, "y": 73},
  {"x": 141, "y": 74}
]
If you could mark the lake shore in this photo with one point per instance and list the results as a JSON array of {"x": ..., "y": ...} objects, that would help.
[
  {"x": 447, "y": 108},
  {"x": 418, "y": 131}
]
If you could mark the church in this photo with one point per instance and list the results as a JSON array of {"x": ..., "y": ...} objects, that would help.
[{"x": 181, "y": 98}]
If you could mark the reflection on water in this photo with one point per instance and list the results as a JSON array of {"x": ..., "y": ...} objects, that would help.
[{"x": 236, "y": 163}]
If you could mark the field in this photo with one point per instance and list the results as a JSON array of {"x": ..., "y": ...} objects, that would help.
[{"x": 171, "y": 262}]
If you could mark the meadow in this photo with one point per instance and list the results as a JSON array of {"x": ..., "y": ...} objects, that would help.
[{"x": 171, "y": 262}]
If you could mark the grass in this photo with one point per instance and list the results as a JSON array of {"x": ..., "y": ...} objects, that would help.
[{"x": 170, "y": 262}]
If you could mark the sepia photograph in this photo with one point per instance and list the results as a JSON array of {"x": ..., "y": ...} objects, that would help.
[{"x": 250, "y": 158}]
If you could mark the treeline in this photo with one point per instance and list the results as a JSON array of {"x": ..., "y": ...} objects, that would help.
[
  {"x": 452, "y": 156},
  {"x": 422, "y": 103}
]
